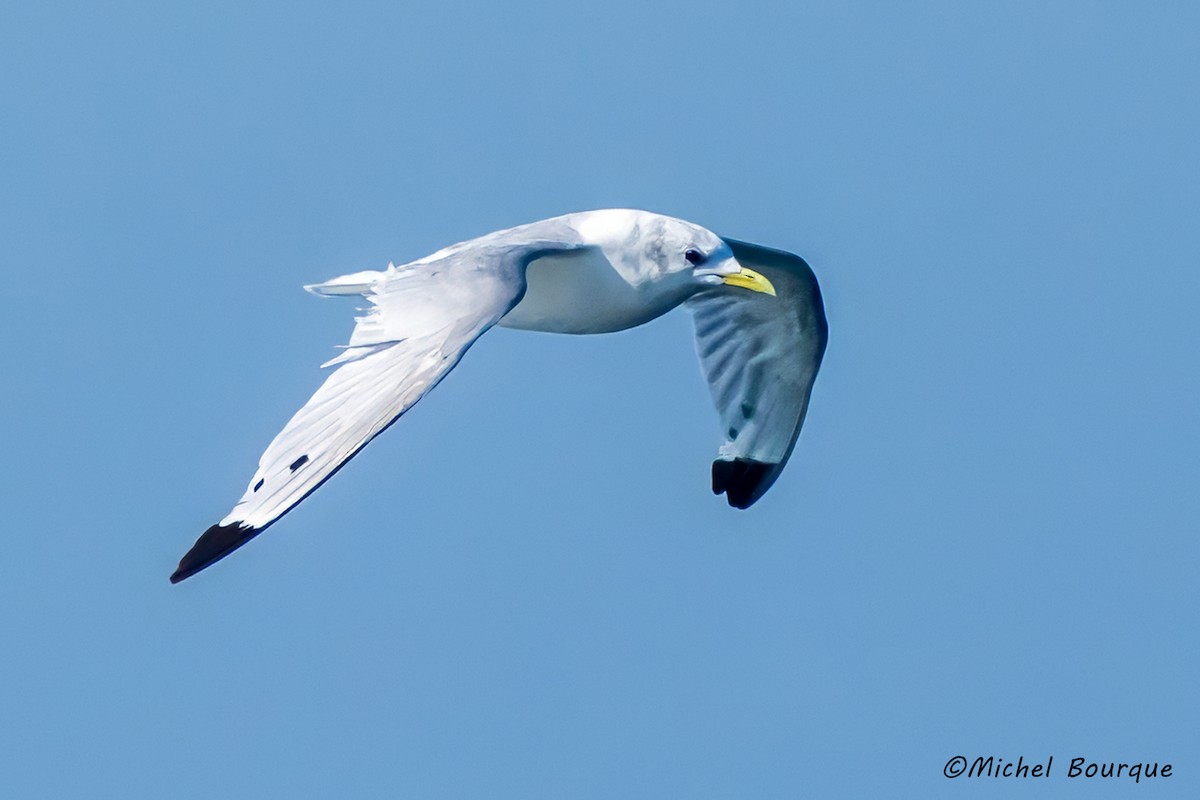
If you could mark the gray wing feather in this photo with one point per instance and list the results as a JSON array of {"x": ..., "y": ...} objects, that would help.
[{"x": 760, "y": 355}]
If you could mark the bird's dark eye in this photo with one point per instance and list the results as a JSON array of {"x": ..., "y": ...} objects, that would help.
[{"x": 694, "y": 257}]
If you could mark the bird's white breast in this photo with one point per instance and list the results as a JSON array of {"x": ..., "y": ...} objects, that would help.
[{"x": 584, "y": 291}]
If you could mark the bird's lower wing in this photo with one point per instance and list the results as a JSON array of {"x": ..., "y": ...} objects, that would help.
[
  {"x": 423, "y": 318},
  {"x": 760, "y": 354}
]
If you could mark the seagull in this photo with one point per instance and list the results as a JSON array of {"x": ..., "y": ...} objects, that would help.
[{"x": 760, "y": 335}]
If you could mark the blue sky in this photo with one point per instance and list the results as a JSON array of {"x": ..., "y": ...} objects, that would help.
[{"x": 985, "y": 543}]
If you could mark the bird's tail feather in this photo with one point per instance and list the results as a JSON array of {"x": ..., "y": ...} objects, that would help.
[{"x": 354, "y": 283}]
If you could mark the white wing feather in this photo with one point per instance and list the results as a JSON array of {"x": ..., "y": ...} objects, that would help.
[{"x": 422, "y": 318}]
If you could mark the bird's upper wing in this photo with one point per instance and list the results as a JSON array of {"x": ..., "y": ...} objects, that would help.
[
  {"x": 422, "y": 318},
  {"x": 760, "y": 354}
]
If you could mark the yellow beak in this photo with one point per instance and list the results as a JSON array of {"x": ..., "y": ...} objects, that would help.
[{"x": 749, "y": 279}]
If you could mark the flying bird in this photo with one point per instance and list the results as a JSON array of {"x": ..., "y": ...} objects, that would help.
[{"x": 760, "y": 334}]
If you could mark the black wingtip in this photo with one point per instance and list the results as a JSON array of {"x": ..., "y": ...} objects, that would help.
[
  {"x": 743, "y": 480},
  {"x": 213, "y": 545}
]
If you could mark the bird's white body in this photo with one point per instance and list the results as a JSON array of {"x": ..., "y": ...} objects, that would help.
[
  {"x": 589, "y": 272},
  {"x": 582, "y": 293},
  {"x": 615, "y": 280}
]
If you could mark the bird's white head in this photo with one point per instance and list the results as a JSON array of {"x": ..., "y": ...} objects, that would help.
[{"x": 644, "y": 246}]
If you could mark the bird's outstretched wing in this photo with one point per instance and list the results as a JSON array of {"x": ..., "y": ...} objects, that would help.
[
  {"x": 422, "y": 318},
  {"x": 760, "y": 354}
]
